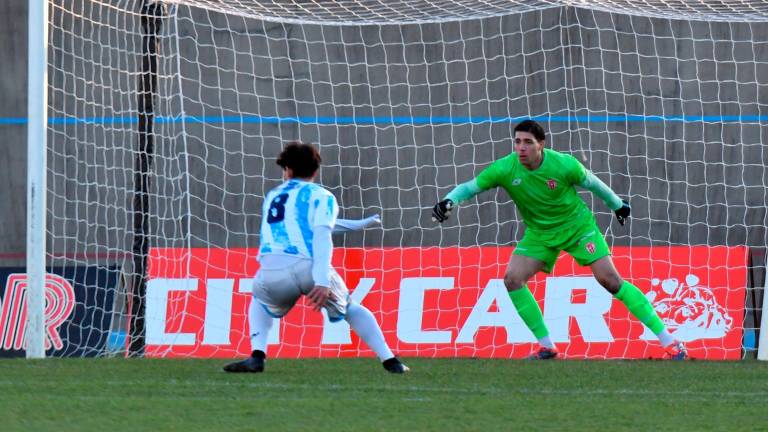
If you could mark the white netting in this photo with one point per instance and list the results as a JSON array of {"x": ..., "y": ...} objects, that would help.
[
  {"x": 668, "y": 112},
  {"x": 399, "y": 12}
]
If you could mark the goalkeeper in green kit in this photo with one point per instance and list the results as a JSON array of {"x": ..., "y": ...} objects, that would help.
[{"x": 542, "y": 184}]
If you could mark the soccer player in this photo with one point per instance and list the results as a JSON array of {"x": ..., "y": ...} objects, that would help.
[
  {"x": 295, "y": 259},
  {"x": 542, "y": 183}
]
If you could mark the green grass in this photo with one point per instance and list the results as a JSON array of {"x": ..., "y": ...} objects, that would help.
[{"x": 358, "y": 395}]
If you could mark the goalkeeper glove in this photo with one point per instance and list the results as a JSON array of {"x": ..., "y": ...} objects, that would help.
[
  {"x": 622, "y": 213},
  {"x": 442, "y": 210}
]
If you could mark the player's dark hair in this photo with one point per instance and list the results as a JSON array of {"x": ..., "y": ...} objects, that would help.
[
  {"x": 532, "y": 128},
  {"x": 302, "y": 158}
]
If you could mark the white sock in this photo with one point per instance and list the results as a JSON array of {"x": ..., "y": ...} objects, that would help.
[
  {"x": 259, "y": 323},
  {"x": 665, "y": 338},
  {"x": 546, "y": 342},
  {"x": 364, "y": 324}
]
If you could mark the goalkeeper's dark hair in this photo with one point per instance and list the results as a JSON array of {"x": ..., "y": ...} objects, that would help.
[
  {"x": 532, "y": 128},
  {"x": 302, "y": 158}
]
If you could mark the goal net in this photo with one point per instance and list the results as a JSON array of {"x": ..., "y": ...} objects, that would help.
[{"x": 166, "y": 118}]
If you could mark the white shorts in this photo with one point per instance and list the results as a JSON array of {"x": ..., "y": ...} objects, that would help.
[{"x": 279, "y": 289}]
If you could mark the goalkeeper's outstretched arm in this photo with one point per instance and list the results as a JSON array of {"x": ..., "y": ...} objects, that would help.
[
  {"x": 609, "y": 197},
  {"x": 459, "y": 194}
]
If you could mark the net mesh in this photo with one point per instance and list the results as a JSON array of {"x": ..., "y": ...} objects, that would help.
[{"x": 663, "y": 100}]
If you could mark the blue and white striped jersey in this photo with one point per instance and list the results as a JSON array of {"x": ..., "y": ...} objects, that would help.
[{"x": 290, "y": 212}]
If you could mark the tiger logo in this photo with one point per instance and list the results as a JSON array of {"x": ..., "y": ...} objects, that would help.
[{"x": 689, "y": 310}]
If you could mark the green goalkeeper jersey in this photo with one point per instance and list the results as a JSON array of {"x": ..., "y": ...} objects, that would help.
[{"x": 545, "y": 197}]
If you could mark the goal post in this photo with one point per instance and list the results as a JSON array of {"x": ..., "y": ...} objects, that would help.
[
  {"x": 663, "y": 101},
  {"x": 37, "y": 115},
  {"x": 762, "y": 344}
]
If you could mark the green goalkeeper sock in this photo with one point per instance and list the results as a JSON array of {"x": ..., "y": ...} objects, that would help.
[
  {"x": 640, "y": 307},
  {"x": 529, "y": 311}
]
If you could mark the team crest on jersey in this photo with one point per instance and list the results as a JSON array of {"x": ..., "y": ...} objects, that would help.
[
  {"x": 516, "y": 182},
  {"x": 590, "y": 247},
  {"x": 552, "y": 184}
]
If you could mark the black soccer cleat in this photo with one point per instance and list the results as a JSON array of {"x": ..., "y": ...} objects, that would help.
[
  {"x": 544, "y": 354},
  {"x": 254, "y": 363},
  {"x": 395, "y": 366}
]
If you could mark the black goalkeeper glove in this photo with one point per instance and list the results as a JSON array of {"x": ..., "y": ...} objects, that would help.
[
  {"x": 442, "y": 210},
  {"x": 623, "y": 213}
]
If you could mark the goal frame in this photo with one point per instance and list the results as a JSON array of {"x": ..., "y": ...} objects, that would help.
[{"x": 37, "y": 121}]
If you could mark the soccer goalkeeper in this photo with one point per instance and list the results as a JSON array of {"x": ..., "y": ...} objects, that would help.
[{"x": 541, "y": 183}]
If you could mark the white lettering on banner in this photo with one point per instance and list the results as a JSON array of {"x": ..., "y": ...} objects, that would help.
[
  {"x": 218, "y": 311},
  {"x": 506, "y": 316},
  {"x": 411, "y": 310},
  {"x": 558, "y": 310},
  {"x": 156, "y": 311},
  {"x": 338, "y": 332},
  {"x": 590, "y": 315}
]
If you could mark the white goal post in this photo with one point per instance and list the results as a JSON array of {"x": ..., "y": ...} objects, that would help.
[
  {"x": 762, "y": 345},
  {"x": 153, "y": 128},
  {"x": 37, "y": 114}
]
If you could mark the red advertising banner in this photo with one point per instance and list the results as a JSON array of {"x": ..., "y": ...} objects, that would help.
[{"x": 451, "y": 302}]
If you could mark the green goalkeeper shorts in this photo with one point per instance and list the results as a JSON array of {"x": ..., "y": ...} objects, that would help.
[{"x": 584, "y": 242}]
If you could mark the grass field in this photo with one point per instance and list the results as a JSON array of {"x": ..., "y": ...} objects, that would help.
[{"x": 357, "y": 394}]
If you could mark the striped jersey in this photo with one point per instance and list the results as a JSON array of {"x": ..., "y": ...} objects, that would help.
[{"x": 290, "y": 212}]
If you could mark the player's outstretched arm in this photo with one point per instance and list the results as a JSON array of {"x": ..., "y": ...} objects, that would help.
[
  {"x": 346, "y": 225},
  {"x": 442, "y": 210},
  {"x": 601, "y": 190}
]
